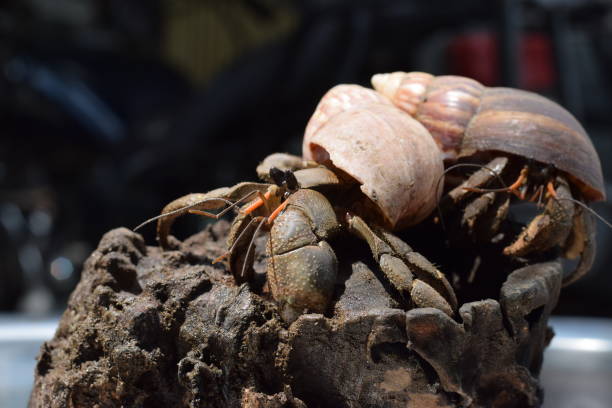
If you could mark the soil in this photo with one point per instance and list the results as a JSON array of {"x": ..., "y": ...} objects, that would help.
[{"x": 146, "y": 328}]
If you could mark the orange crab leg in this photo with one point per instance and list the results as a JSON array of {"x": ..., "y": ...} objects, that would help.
[
  {"x": 514, "y": 188},
  {"x": 276, "y": 212},
  {"x": 551, "y": 189},
  {"x": 258, "y": 203},
  {"x": 269, "y": 221},
  {"x": 204, "y": 213},
  {"x": 263, "y": 199},
  {"x": 220, "y": 257},
  {"x": 229, "y": 251},
  {"x": 537, "y": 195}
]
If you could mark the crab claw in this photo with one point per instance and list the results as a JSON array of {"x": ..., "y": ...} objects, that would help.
[
  {"x": 581, "y": 242},
  {"x": 416, "y": 281},
  {"x": 549, "y": 229},
  {"x": 213, "y": 200},
  {"x": 561, "y": 224}
]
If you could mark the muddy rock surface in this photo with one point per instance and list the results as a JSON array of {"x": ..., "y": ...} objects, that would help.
[{"x": 146, "y": 328}]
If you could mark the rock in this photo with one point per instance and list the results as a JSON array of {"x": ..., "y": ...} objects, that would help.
[{"x": 146, "y": 328}]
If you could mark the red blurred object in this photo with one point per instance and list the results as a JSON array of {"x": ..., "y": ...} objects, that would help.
[{"x": 476, "y": 55}]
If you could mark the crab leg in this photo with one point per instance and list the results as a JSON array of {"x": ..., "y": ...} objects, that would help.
[
  {"x": 548, "y": 229},
  {"x": 478, "y": 179},
  {"x": 204, "y": 202},
  {"x": 514, "y": 188},
  {"x": 413, "y": 277},
  {"x": 580, "y": 242},
  {"x": 483, "y": 215}
]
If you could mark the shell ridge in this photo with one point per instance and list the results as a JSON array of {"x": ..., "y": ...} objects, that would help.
[{"x": 536, "y": 137}]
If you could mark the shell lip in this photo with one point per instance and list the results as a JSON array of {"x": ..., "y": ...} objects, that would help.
[
  {"x": 386, "y": 176},
  {"x": 364, "y": 204},
  {"x": 590, "y": 192}
]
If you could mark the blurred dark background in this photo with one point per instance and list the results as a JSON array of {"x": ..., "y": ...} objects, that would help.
[{"x": 110, "y": 109}]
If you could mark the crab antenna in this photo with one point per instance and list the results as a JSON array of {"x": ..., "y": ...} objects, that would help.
[
  {"x": 271, "y": 259},
  {"x": 454, "y": 166},
  {"x": 589, "y": 209},
  {"x": 231, "y": 204},
  {"x": 238, "y": 238},
  {"x": 187, "y": 207},
  {"x": 251, "y": 244}
]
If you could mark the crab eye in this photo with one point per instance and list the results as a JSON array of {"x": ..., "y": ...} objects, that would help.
[
  {"x": 277, "y": 176},
  {"x": 291, "y": 181}
]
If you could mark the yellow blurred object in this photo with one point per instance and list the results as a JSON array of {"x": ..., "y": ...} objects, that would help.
[{"x": 203, "y": 37}]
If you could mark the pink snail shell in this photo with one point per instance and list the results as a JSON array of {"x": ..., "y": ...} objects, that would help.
[
  {"x": 465, "y": 117},
  {"x": 391, "y": 155}
]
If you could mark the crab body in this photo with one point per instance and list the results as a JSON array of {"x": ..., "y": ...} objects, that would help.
[
  {"x": 547, "y": 148},
  {"x": 352, "y": 186},
  {"x": 368, "y": 169}
]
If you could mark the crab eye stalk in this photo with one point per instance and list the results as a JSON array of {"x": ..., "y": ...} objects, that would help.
[
  {"x": 277, "y": 176},
  {"x": 284, "y": 179},
  {"x": 291, "y": 181}
]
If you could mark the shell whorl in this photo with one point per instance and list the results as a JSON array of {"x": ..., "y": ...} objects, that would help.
[
  {"x": 443, "y": 104},
  {"x": 338, "y": 99},
  {"x": 406, "y": 89},
  {"x": 466, "y": 117},
  {"x": 390, "y": 154},
  {"x": 532, "y": 126}
]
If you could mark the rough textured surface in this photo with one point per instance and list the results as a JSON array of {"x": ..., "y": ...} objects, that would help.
[
  {"x": 151, "y": 329},
  {"x": 400, "y": 183}
]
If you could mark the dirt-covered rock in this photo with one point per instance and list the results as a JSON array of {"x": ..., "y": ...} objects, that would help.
[{"x": 146, "y": 328}]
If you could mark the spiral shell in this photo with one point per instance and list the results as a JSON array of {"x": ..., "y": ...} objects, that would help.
[
  {"x": 466, "y": 117},
  {"x": 391, "y": 155},
  {"x": 339, "y": 99}
]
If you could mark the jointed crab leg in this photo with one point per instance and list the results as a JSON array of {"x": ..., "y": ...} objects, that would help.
[
  {"x": 478, "y": 179},
  {"x": 485, "y": 213},
  {"x": 238, "y": 239},
  {"x": 514, "y": 188},
  {"x": 240, "y": 230},
  {"x": 212, "y": 200},
  {"x": 262, "y": 200},
  {"x": 243, "y": 271},
  {"x": 282, "y": 161},
  {"x": 562, "y": 223},
  {"x": 549, "y": 229},
  {"x": 414, "y": 278},
  {"x": 581, "y": 242}
]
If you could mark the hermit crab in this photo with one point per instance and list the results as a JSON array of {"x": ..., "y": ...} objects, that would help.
[
  {"x": 529, "y": 145},
  {"x": 372, "y": 169}
]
